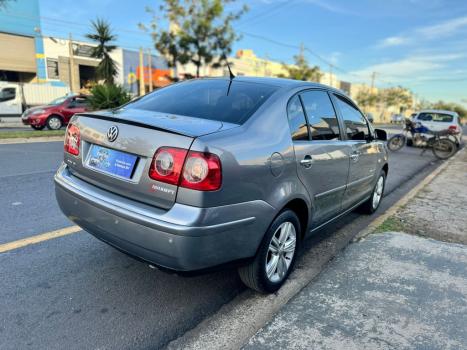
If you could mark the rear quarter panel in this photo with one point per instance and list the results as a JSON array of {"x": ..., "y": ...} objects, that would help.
[{"x": 258, "y": 161}]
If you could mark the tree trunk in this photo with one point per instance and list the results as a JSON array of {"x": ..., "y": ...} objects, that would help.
[{"x": 197, "y": 70}]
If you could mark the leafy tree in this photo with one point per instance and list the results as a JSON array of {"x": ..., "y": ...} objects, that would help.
[
  {"x": 106, "y": 96},
  {"x": 397, "y": 96},
  {"x": 167, "y": 42},
  {"x": 102, "y": 35},
  {"x": 302, "y": 70},
  {"x": 366, "y": 98},
  {"x": 201, "y": 32},
  {"x": 450, "y": 106}
]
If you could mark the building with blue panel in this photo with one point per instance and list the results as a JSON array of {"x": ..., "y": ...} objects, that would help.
[{"x": 21, "y": 46}]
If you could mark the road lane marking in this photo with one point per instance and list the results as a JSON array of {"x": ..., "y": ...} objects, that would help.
[{"x": 38, "y": 238}]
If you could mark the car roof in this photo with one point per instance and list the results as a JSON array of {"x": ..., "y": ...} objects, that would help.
[
  {"x": 454, "y": 114},
  {"x": 280, "y": 82}
]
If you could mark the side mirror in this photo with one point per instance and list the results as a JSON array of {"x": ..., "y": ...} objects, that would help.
[{"x": 381, "y": 135}]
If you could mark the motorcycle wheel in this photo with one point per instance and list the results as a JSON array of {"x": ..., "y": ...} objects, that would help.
[
  {"x": 443, "y": 148},
  {"x": 396, "y": 142}
]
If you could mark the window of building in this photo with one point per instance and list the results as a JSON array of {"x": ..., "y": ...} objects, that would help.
[
  {"x": 297, "y": 121},
  {"x": 321, "y": 116},
  {"x": 52, "y": 68},
  {"x": 356, "y": 126}
]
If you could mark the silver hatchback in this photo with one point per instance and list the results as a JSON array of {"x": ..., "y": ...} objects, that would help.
[{"x": 214, "y": 171}]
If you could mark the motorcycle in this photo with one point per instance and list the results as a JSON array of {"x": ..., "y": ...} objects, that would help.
[{"x": 439, "y": 141}]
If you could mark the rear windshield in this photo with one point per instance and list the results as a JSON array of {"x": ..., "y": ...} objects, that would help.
[
  {"x": 436, "y": 117},
  {"x": 208, "y": 99}
]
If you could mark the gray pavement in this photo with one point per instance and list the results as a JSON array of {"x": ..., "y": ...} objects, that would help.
[
  {"x": 438, "y": 211},
  {"x": 391, "y": 291},
  {"x": 76, "y": 292}
]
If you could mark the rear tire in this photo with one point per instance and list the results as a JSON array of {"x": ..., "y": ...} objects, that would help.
[
  {"x": 372, "y": 204},
  {"x": 54, "y": 122},
  {"x": 275, "y": 258},
  {"x": 396, "y": 142},
  {"x": 443, "y": 148}
]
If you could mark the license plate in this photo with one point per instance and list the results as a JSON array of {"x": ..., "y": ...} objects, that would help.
[{"x": 112, "y": 162}]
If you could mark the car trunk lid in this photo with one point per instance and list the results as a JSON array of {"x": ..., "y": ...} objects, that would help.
[{"x": 139, "y": 136}]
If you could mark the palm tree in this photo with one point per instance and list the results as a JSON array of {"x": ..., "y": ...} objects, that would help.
[{"x": 107, "y": 68}]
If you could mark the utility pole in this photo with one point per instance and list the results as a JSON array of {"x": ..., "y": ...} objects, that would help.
[
  {"x": 150, "y": 69},
  {"x": 330, "y": 75},
  {"x": 142, "y": 87},
  {"x": 373, "y": 76},
  {"x": 72, "y": 64}
]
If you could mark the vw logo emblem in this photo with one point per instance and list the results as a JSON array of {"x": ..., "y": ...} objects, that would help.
[{"x": 112, "y": 133}]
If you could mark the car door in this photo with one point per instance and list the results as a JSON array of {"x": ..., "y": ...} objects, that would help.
[
  {"x": 426, "y": 119},
  {"x": 74, "y": 105},
  {"x": 363, "y": 152},
  {"x": 322, "y": 162}
]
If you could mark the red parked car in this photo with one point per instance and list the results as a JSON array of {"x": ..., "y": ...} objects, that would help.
[{"x": 57, "y": 113}]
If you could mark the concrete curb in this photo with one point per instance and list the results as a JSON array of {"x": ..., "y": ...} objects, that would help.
[
  {"x": 405, "y": 199},
  {"x": 237, "y": 321},
  {"x": 31, "y": 140}
]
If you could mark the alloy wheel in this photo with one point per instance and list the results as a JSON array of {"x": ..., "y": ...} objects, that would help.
[
  {"x": 281, "y": 252},
  {"x": 378, "y": 192},
  {"x": 55, "y": 123}
]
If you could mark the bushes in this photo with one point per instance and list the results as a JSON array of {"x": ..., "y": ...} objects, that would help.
[{"x": 107, "y": 96}]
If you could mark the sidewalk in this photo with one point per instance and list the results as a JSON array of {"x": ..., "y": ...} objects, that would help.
[{"x": 392, "y": 290}]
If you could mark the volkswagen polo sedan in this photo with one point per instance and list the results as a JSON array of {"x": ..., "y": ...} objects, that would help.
[{"x": 214, "y": 171}]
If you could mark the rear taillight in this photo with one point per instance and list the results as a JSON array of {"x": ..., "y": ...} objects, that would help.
[
  {"x": 453, "y": 129},
  {"x": 167, "y": 165},
  {"x": 202, "y": 171},
  {"x": 195, "y": 170},
  {"x": 72, "y": 140}
]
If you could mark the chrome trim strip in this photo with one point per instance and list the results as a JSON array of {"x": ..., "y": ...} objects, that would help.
[
  {"x": 339, "y": 215},
  {"x": 319, "y": 195},
  {"x": 360, "y": 180}
]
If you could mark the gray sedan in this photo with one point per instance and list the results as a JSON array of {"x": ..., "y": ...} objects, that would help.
[{"x": 215, "y": 171}]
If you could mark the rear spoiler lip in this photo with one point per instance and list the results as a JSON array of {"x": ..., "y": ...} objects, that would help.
[{"x": 131, "y": 122}]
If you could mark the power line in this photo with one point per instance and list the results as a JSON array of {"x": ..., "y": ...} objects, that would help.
[
  {"x": 262, "y": 15},
  {"x": 125, "y": 45}
]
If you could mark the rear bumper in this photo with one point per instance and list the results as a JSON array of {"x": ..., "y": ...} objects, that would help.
[{"x": 183, "y": 238}]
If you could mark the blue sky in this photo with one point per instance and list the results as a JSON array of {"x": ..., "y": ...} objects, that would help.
[{"x": 419, "y": 44}]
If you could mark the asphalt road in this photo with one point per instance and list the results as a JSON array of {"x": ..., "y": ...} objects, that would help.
[{"x": 76, "y": 292}]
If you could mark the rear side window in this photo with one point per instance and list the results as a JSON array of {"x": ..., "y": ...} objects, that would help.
[
  {"x": 356, "y": 126},
  {"x": 297, "y": 121},
  {"x": 425, "y": 117},
  {"x": 436, "y": 117},
  {"x": 214, "y": 99},
  {"x": 321, "y": 117}
]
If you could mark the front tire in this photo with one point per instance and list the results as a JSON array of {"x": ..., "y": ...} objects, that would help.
[
  {"x": 54, "y": 122},
  {"x": 372, "y": 204},
  {"x": 276, "y": 255},
  {"x": 396, "y": 142}
]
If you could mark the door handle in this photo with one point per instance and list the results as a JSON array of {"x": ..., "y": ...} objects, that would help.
[
  {"x": 306, "y": 162},
  {"x": 354, "y": 156}
]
